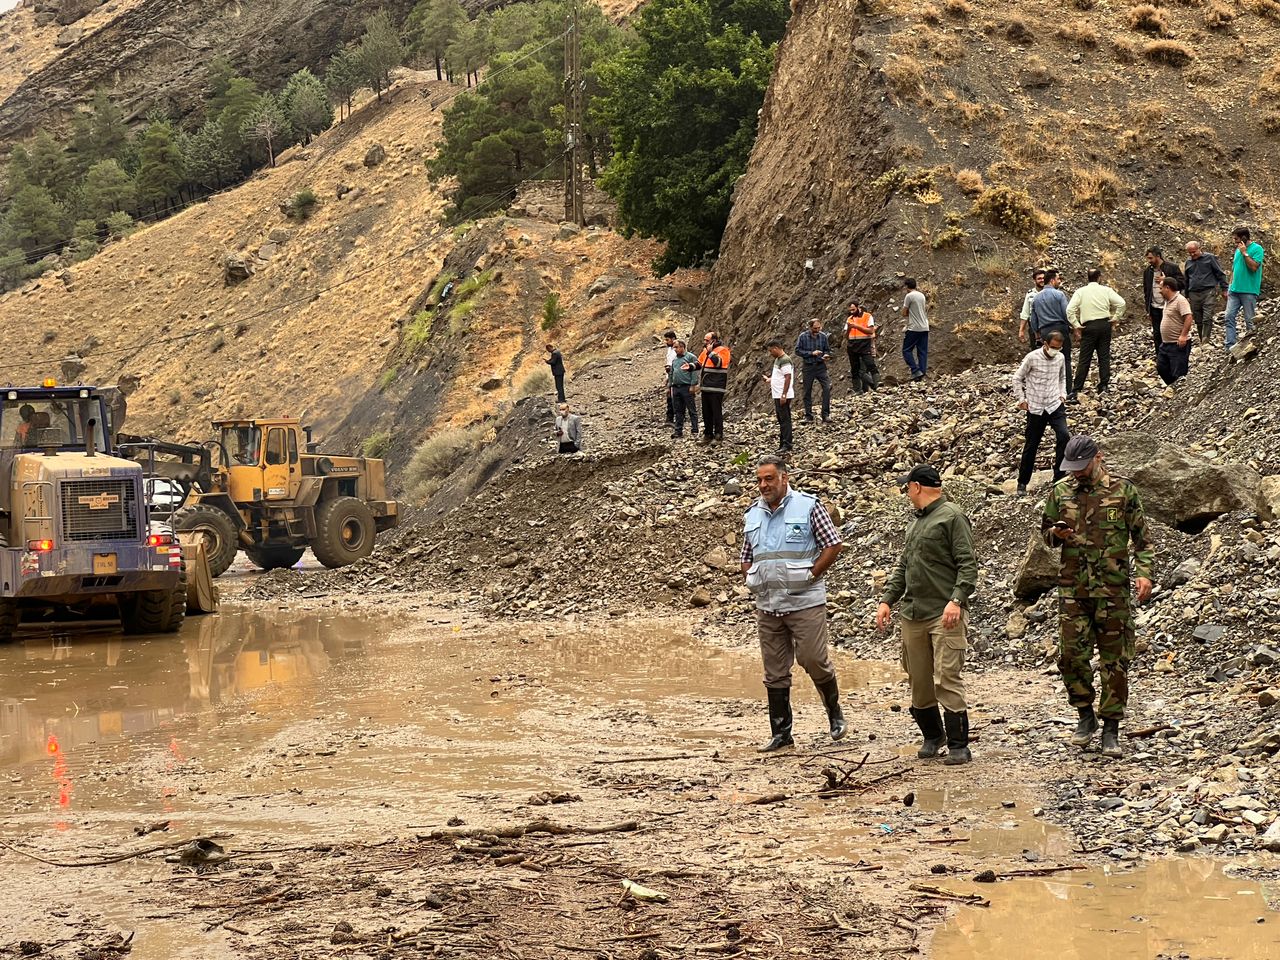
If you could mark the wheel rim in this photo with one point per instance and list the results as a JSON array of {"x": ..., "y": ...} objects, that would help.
[
  {"x": 352, "y": 533},
  {"x": 213, "y": 542}
]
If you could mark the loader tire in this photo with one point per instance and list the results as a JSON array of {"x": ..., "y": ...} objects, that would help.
[
  {"x": 10, "y": 615},
  {"x": 146, "y": 611},
  {"x": 221, "y": 539},
  {"x": 274, "y": 556},
  {"x": 177, "y": 612},
  {"x": 345, "y": 529}
]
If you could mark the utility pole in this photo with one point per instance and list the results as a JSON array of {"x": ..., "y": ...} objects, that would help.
[{"x": 573, "y": 84}]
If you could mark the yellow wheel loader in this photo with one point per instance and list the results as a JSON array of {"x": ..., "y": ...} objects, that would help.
[{"x": 262, "y": 487}]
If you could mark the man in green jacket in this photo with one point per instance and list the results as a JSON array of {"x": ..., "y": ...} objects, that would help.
[
  {"x": 935, "y": 577},
  {"x": 681, "y": 378}
]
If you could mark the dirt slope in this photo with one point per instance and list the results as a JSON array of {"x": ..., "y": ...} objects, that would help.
[{"x": 889, "y": 125}]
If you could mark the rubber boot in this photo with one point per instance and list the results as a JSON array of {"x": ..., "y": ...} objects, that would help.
[
  {"x": 1111, "y": 738},
  {"x": 929, "y": 720},
  {"x": 957, "y": 737},
  {"x": 1086, "y": 728},
  {"x": 779, "y": 721},
  {"x": 831, "y": 699}
]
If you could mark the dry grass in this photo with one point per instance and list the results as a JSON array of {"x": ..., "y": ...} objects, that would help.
[
  {"x": 1126, "y": 51},
  {"x": 970, "y": 181},
  {"x": 437, "y": 457},
  {"x": 1079, "y": 31},
  {"x": 930, "y": 13},
  {"x": 1219, "y": 15},
  {"x": 1148, "y": 19},
  {"x": 1035, "y": 73},
  {"x": 1084, "y": 4},
  {"x": 1095, "y": 188},
  {"x": 984, "y": 322},
  {"x": 1018, "y": 31},
  {"x": 959, "y": 8},
  {"x": 1012, "y": 210},
  {"x": 1266, "y": 8},
  {"x": 905, "y": 75},
  {"x": 1171, "y": 53},
  {"x": 538, "y": 380}
]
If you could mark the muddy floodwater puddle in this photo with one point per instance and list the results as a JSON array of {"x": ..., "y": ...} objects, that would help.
[
  {"x": 255, "y": 720},
  {"x": 1167, "y": 908}
]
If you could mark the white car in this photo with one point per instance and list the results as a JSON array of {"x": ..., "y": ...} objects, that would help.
[{"x": 164, "y": 496}]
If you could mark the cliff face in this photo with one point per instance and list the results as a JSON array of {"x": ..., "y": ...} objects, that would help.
[
  {"x": 155, "y": 54},
  {"x": 964, "y": 144}
]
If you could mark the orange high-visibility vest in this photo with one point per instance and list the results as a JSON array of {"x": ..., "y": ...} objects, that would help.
[
  {"x": 857, "y": 320},
  {"x": 715, "y": 359}
]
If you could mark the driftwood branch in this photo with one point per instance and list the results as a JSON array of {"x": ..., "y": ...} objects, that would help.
[{"x": 535, "y": 826}]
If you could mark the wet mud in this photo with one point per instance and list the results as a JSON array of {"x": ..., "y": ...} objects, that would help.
[{"x": 425, "y": 784}]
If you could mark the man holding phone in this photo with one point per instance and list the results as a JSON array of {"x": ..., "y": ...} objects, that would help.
[
  {"x": 1246, "y": 284},
  {"x": 1092, "y": 517}
]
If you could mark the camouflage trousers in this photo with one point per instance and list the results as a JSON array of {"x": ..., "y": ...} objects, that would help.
[{"x": 1104, "y": 623}]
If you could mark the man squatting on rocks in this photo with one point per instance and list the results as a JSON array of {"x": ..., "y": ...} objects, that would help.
[
  {"x": 935, "y": 577},
  {"x": 788, "y": 544},
  {"x": 1092, "y": 516}
]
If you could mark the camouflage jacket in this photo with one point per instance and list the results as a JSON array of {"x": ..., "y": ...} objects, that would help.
[{"x": 1105, "y": 516}]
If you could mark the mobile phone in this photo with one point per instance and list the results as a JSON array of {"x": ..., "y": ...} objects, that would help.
[{"x": 1061, "y": 525}]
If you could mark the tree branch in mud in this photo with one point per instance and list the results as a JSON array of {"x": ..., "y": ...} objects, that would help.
[{"x": 535, "y": 826}]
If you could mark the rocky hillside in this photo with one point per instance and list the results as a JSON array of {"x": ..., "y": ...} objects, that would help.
[
  {"x": 153, "y": 54},
  {"x": 897, "y": 139},
  {"x": 324, "y": 324}
]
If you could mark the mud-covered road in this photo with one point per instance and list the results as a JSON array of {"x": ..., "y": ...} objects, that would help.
[{"x": 390, "y": 779}]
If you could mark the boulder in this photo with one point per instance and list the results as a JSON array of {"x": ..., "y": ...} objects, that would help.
[
  {"x": 69, "y": 11},
  {"x": 375, "y": 155},
  {"x": 1038, "y": 571},
  {"x": 1269, "y": 498},
  {"x": 72, "y": 368},
  {"x": 268, "y": 250},
  {"x": 236, "y": 267},
  {"x": 1177, "y": 488},
  {"x": 602, "y": 285},
  {"x": 68, "y": 36}
]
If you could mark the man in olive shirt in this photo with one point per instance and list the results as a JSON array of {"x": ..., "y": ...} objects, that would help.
[{"x": 934, "y": 578}]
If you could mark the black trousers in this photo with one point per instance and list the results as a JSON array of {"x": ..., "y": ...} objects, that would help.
[
  {"x": 712, "y": 415},
  {"x": 1173, "y": 361},
  {"x": 1204, "y": 304},
  {"x": 671, "y": 405},
  {"x": 1095, "y": 337},
  {"x": 559, "y": 376},
  {"x": 1036, "y": 424},
  {"x": 783, "y": 411},
  {"x": 682, "y": 402},
  {"x": 1157, "y": 315},
  {"x": 817, "y": 373},
  {"x": 864, "y": 371}
]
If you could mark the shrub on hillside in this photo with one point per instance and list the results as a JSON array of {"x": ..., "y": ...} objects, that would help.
[
  {"x": 1148, "y": 19},
  {"x": 1012, "y": 210},
  {"x": 437, "y": 457},
  {"x": 1018, "y": 31},
  {"x": 904, "y": 74},
  {"x": 537, "y": 382},
  {"x": 119, "y": 224},
  {"x": 552, "y": 312},
  {"x": 376, "y": 445},
  {"x": 1219, "y": 15},
  {"x": 1080, "y": 31},
  {"x": 302, "y": 204},
  {"x": 970, "y": 181},
  {"x": 1169, "y": 52},
  {"x": 1095, "y": 188},
  {"x": 959, "y": 8}
]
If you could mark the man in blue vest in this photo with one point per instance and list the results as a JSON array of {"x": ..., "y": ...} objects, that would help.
[{"x": 789, "y": 543}]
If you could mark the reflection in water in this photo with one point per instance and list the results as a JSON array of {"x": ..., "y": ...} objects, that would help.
[
  {"x": 59, "y": 691},
  {"x": 1185, "y": 907}
]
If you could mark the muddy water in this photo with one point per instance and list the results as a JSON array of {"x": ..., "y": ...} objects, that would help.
[{"x": 271, "y": 721}]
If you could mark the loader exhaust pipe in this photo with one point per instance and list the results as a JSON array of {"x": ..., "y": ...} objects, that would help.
[{"x": 88, "y": 439}]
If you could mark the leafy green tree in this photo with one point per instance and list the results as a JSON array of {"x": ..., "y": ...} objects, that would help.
[
  {"x": 239, "y": 102},
  {"x": 379, "y": 52},
  {"x": 18, "y": 170},
  {"x": 267, "y": 126},
  {"x": 205, "y": 159},
  {"x": 218, "y": 85},
  {"x": 106, "y": 189},
  {"x": 432, "y": 26},
  {"x": 306, "y": 105},
  {"x": 343, "y": 79},
  {"x": 36, "y": 221},
  {"x": 681, "y": 108},
  {"x": 13, "y": 266},
  {"x": 119, "y": 224},
  {"x": 160, "y": 174}
]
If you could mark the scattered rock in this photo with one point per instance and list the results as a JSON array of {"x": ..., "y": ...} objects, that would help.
[
  {"x": 375, "y": 155},
  {"x": 1208, "y": 632},
  {"x": 701, "y": 598},
  {"x": 69, "y": 36},
  {"x": 1038, "y": 571},
  {"x": 236, "y": 267}
]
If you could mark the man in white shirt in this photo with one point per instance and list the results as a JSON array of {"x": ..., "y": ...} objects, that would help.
[
  {"x": 1040, "y": 386},
  {"x": 1025, "y": 315},
  {"x": 782, "y": 386},
  {"x": 669, "y": 338}
]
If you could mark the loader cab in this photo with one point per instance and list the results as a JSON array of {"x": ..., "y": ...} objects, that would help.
[
  {"x": 262, "y": 459},
  {"x": 61, "y": 419}
]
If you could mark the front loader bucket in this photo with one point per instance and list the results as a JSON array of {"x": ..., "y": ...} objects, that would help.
[{"x": 202, "y": 595}]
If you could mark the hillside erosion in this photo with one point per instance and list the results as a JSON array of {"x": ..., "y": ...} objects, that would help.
[
  {"x": 965, "y": 143},
  {"x": 154, "y": 54}
]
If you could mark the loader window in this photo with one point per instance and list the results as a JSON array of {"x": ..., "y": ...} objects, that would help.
[
  {"x": 38, "y": 423},
  {"x": 293, "y": 446},
  {"x": 242, "y": 445},
  {"x": 276, "y": 454}
]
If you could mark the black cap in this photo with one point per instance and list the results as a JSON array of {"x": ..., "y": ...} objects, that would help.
[
  {"x": 1079, "y": 453},
  {"x": 922, "y": 474}
]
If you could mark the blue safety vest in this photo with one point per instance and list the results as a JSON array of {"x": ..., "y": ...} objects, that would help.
[{"x": 783, "y": 552}]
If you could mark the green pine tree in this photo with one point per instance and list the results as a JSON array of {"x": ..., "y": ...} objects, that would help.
[
  {"x": 160, "y": 174},
  {"x": 106, "y": 189},
  {"x": 267, "y": 127},
  {"x": 432, "y": 26},
  {"x": 342, "y": 78},
  {"x": 238, "y": 101},
  {"x": 205, "y": 159},
  {"x": 36, "y": 221},
  {"x": 306, "y": 105},
  {"x": 379, "y": 52}
]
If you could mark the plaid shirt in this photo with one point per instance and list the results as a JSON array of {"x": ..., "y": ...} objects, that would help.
[
  {"x": 807, "y": 343},
  {"x": 825, "y": 533},
  {"x": 1041, "y": 381}
]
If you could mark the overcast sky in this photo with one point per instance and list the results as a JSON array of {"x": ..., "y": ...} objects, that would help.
[{"x": 7, "y": 5}]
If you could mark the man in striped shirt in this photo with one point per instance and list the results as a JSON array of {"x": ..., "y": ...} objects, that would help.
[{"x": 1040, "y": 386}]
